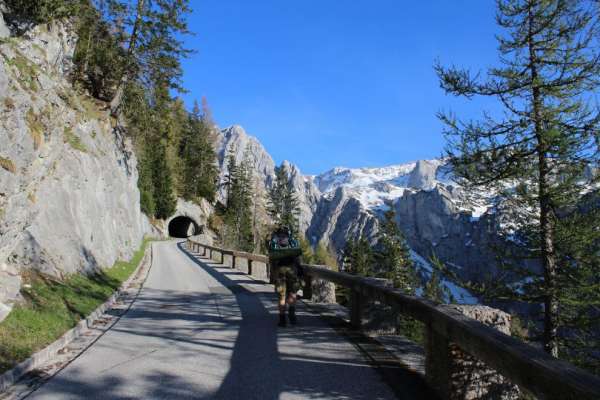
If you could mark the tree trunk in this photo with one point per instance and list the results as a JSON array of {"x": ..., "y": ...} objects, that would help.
[
  {"x": 115, "y": 103},
  {"x": 550, "y": 339}
]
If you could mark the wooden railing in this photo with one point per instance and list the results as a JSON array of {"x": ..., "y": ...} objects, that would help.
[{"x": 524, "y": 365}]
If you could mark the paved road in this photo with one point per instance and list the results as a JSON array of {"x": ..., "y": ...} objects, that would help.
[{"x": 201, "y": 331}]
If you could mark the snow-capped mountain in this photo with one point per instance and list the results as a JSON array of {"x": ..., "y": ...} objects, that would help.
[
  {"x": 378, "y": 188},
  {"x": 436, "y": 214}
]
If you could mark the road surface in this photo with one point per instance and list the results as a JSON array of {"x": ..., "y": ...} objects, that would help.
[{"x": 199, "y": 330}]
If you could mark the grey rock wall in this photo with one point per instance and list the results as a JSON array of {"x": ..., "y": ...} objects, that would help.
[
  {"x": 340, "y": 217},
  {"x": 68, "y": 185}
]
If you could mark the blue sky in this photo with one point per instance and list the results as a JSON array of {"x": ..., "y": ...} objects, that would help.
[{"x": 327, "y": 83}]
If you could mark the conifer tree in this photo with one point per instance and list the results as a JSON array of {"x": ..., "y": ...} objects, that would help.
[
  {"x": 283, "y": 207},
  {"x": 542, "y": 141},
  {"x": 238, "y": 211},
  {"x": 152, "y": 37},
  {"x": 164, "y": 200},
  {"x": 359, "y": 258},
  {"x": 393, "y": 255},
  {"x": 199, "y": 171}
]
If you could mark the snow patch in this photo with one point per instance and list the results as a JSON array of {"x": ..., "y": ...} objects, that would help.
[{"x": 462, "y": 295}]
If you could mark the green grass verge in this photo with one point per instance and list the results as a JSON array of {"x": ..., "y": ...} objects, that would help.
[{"x": 52, "y": 307}]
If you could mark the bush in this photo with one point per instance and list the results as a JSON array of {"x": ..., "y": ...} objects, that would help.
[{"x": 21, "y": 14}]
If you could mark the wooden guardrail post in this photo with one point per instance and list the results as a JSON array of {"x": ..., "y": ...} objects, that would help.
[
  {"x": 356, "y": 308},
  {"x": 270, "y": 273},
  {"x": 233, "y": 259},
  {"x": 249, "y": 267},
  {"x": 438, "y": 361},
  {"x": 307, "y": 292}
]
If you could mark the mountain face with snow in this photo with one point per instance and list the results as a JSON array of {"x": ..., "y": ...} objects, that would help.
[{"x": 438, "y": 217}]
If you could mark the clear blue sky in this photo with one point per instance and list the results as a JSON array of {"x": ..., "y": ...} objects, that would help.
[{"x": 327, "y": 83}]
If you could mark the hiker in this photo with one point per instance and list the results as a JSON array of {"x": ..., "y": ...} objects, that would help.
[{"x": 284, "y": 257}]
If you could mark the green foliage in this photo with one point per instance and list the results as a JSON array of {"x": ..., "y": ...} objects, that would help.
[
  {"x": 540, "y": 144},
  {"x": 99, "y": 59},
  {"x": 152, "y": 34},
  {"x": 73, "y": 140},
  {"x": 21, "y": 13},
  {"x": 238, "y": 215},
  {"x": 52, "y": 307},
  {"x": 199, "y": 171},
  {"x": 325, "y": 256},
  {"x": 307, "y": 251},
  {"x": 359, "y": 258},
  {"x": 283, "y": 205},
  {"x": 434, "y": 289},
  {"x": 27, "y": 71},
  {"x": 162, "y": 183},
  {"x": 393, "y": 256}
]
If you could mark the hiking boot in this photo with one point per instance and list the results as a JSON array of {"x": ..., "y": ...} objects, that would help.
[
  {"x": 282, "y": 322},
  {"x": 292, "y": 316}
]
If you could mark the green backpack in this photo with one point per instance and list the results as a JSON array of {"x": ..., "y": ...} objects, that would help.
[{"x": 283, "y": 245}]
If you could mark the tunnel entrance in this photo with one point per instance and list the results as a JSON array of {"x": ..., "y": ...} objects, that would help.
[{"x": 183, "y": 227}]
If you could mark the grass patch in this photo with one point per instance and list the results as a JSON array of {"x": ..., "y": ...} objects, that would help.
[
  {"x": 28, "y": 72},
  {"x": 91, "y": 109},
  {"x": 73, "y": 140},
  {"x": 52, "y": 307},
  {"x": 8, "y": 165},
  {"x": 36, "y": 128}
]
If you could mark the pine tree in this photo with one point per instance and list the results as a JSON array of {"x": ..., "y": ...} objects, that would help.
[
  {"x": 359, "y": 258},
  {"x": 283, "y": 205},
  {"x": 199, "y": 171},
  {"x": 393, "y": 255},
  {"x": 23, "y": 13},
  {"x": 545, "y": 137},
  {"x": 164, "y": 200},
  {"x": 238, "y": 210},
  {"x": 154, "y": 45}
]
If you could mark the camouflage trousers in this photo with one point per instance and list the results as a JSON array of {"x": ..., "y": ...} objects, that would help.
[{"x": 286, "y": 281}]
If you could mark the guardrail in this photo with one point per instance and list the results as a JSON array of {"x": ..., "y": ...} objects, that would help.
[{"x": 524, "y": 365}]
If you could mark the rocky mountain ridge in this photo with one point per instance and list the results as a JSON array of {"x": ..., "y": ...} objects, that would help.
[{"x": 438, "y": 217}]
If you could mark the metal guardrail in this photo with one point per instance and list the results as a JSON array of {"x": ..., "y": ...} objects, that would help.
[{"x": 524, "y": 365}]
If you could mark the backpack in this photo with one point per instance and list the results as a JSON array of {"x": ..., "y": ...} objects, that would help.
[{"x": 283, "y": 246}]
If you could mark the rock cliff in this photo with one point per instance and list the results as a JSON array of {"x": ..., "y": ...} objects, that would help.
[
  {"x": 235, "y": 141},
  {"x": 68, "y": 184}
]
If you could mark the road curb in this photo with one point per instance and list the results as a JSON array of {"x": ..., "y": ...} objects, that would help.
[{"x": 41, "y": 357}]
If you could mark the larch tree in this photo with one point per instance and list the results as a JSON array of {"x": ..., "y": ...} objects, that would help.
[{"x": 535, "y": 151}]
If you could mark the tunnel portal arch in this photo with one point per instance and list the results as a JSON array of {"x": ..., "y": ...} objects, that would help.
[{"x": 183, "y": 227}]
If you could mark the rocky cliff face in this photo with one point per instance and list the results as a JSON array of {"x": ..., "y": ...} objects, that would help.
[
  {"x": 235, "y": 141},
  {"x": 68, "y": 186},
  {"x": 437, "y": 216},
  {"x": 340, "y": 216}
]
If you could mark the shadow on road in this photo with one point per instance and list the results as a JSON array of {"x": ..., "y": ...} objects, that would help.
[{"x": 235, "y": 327}]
